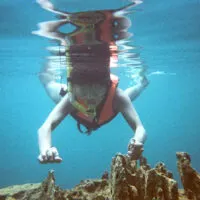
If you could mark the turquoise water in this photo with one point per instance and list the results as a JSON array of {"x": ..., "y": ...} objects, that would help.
[{"x": 168, "y": 34}]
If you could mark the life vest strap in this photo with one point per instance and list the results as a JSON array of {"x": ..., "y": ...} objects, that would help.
[{"x": 102, "y": 116}]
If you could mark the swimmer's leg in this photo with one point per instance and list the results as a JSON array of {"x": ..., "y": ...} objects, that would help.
[
  {"x": 135, "y": 91},
  {"x": 52, "y": 88}
]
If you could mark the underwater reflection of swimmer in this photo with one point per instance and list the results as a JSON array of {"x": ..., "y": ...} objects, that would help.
[
  {"x": 91, "y": 94},
  {"x": 92, "y": 97},
  {"x": 90, "y": 26}
]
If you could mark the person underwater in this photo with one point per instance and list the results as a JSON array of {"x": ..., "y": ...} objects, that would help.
[{"x": 92, "y": 97}]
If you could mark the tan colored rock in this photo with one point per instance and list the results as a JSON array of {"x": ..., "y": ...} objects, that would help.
[
  {"x": 89, "y": 190},
  {"x": 19, "y": 191},
  {"x": 128, "y": 180},
  {"x": 190, "y": 177},
  {"x": 123, "y": 177},
  {"x": 159, "y": 186},
  {"x": 44, "y": 191}
]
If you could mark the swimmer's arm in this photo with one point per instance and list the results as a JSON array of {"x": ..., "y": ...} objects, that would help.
[
  {"x": 61, "y": 110},
  {"x": 128, "y": 111}
]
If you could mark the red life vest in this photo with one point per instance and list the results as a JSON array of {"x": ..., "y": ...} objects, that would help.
[{"x": 104, "y": 112}]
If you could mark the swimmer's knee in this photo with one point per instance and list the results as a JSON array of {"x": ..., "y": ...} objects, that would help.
[
  {"x": 53, "y": 90},
  {"x": 135, "y": 91},
  {"x": 144, "y": 82},
  {"x": 45, "y": 78}
]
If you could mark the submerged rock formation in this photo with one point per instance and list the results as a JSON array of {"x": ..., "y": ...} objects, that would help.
[
  {"x": 189, "y": 176},
  {"x": 90, "y": 190},
  {"x": 47, "y": 190},
  {"x": 128, "y": 180}
]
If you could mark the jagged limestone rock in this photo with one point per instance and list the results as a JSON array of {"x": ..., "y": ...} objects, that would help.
[
  {"x": 89, "y": 190},
  {"x": 122, "y": 179},
  {"x": 19, "y": 191},
  {"x": 129, "y": 182},
  {"x": 45, "y": 191},
  {"x": 189, "y": 176},
  {"x": 159, "y": 186}
]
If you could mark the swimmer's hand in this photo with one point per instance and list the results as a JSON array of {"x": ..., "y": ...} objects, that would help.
[
  {"x": 135, "y": 149},
  {"x": 50, "y": 156}
]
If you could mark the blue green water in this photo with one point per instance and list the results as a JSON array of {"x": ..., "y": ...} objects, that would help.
[{"x": 168, "y": 33}]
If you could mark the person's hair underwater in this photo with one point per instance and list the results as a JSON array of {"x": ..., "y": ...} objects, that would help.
[{"x": 89, "y": 64}]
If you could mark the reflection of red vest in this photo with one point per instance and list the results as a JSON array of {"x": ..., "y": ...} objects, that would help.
[
  {"x": 104, "y": 112},
  {"x": 99, "y": 23}
]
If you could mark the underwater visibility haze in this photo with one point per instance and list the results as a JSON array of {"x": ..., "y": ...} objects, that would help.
[{"x": 156, "y": 39}]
